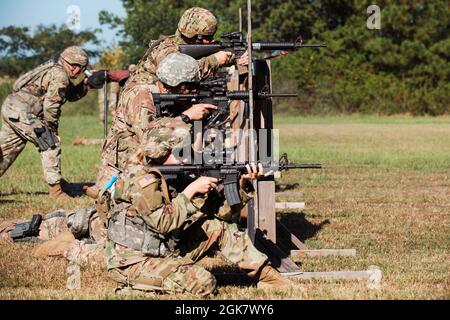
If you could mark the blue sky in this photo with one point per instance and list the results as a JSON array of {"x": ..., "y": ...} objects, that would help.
[{"x": 31, "y": 13}]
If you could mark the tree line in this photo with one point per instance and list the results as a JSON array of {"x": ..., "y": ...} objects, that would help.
[{"x": 403, "y": 67}]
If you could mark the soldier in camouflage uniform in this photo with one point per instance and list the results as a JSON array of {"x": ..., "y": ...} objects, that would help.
[
  {"x": 81, "y": 223},
  {"x": 136, "y": 113},
  {"x": 196, "y": 25},
  {"x": 31, "y": 113},
  {"x": 156, "y": 235}
]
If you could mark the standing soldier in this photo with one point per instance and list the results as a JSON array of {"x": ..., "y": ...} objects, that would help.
[{"x": 31, "y": 113}]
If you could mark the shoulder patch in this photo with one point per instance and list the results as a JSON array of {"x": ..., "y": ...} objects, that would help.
[{"x": 146, "y": 181}]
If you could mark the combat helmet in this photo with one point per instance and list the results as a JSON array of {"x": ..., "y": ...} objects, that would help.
[
  {"x": 177, "y": 68},
  {"x": 75, "y": 55},
  {"x": 197, "y": 21},
  {"x": 165, "y": 135}
]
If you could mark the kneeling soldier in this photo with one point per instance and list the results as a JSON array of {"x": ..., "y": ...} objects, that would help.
[
  {"x": 31, "y": 113},
  {"x": 156, "y": 236}
]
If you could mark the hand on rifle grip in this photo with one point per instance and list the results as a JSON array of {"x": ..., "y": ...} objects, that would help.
[
  {"x": 223, "y": 57},
  {"x": 202, "y": 185},
  {"x": 199, "y": 111}
]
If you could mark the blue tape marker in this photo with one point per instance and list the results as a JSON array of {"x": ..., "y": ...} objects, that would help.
[{"x": 111, "y": 182}]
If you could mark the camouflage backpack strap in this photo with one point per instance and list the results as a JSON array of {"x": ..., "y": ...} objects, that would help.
[
  {"x": 32, "y": 75},
  {"x": 164, "y": 187},
  {"x": 151, "y": 46}
]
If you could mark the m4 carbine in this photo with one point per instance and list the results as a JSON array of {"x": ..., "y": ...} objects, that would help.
[
  {"x": 228, "y": 174},
  {"x": 236, "y": 44},
  {"x": 218, "y": 97}
]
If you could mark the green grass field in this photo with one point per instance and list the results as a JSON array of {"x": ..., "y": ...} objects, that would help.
[{"x": 384, "y": 190}]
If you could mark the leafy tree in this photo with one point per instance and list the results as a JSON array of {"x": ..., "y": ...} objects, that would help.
[
  {"x": 111, "y": 58},
  {"x": 23, "y": 49},
  {"x": 145, "y": 20},
  {"x": 402, "y": 68}
]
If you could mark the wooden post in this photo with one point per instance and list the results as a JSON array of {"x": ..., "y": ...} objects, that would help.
[{"x": 264, "y": 120}]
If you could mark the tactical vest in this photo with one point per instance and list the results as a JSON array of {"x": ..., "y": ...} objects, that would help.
[
  {"x": 32, "y": 75},
  {"x": 133, "y": 232}
]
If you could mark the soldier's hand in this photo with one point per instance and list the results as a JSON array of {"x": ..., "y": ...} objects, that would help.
[
  {"x": 86, "y": 84},
  {"x": 243, "y": 60},
  {"x": 202, "y": 185},
  {"x": 223, "y": 57},
  {"x": 253, "y": 173},
  {"x": 198, "y": 111}
]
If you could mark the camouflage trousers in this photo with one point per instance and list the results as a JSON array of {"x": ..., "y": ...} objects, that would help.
[
  {"x": 48, "y": 229},
  {"x": 181, "y": 274},
  {"x": 15, "y": 133}
]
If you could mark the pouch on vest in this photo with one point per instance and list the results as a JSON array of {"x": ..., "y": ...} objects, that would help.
[
  {"x": 26, "y": 103},
  {"x": 45, "y": 139},
  {"x": 134, "y": 234}
]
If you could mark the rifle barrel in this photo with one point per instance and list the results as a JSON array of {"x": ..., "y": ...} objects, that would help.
[
  {"x": 271, "y": 46},
  {"x": 276, "y": 95},
  {"x": 301, "y": 166}
]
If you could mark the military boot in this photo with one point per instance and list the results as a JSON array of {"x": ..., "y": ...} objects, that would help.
[
  {"x": 57, "y": 193},
  {"x": 65, "y": 185},
  {"x": 91, "y": 192},
  {"x": 55, "y": 247},
  {"x": 270, "y": 278}
]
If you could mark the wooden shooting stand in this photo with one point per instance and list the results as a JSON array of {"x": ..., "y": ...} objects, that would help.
[{"x": 267, "y": 233}]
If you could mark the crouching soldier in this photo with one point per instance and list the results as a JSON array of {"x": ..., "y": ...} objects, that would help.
[
  {"x": 31, "y": 113},
  {"x": 156, "y": 236},
  {"x": 136, "y": 113}
]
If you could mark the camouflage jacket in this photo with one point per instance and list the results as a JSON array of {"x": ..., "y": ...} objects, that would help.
[
  {"x": 145, "y": 196},
  {"x": 158, "y": 50},
  {"x": 52, "y": 87},
  {"x": 135, "y": 109}
]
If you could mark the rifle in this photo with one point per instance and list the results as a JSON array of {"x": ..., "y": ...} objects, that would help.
[
  {"x": 236, "y": 44},
  {"x": 213, "y": 92},
  {"x": 228, "y": 174}
]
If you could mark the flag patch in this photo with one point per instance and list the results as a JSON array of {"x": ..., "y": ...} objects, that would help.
[{"x": 147, "y": 180}]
